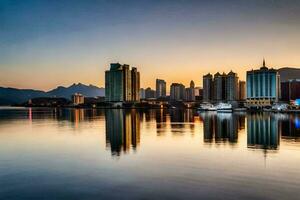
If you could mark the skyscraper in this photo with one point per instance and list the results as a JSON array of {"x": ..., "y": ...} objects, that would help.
[
  {"x": 219, "y": 87},
  {"x": 135, "y": 84},
  {"x": 232, "y": 84},
  {"x": 190, "y": 92},
  {"x": 177, "y": 92},
  {"x": 160, "y": 88},
  {"x": 122, "y": 84},
  {"x": 263, "y": 87},
  {"x": 207, "y": 87}
]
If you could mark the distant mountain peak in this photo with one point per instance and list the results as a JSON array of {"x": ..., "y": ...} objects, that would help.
[{"x": 14, "y": 95}]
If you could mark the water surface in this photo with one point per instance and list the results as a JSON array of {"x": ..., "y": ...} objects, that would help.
[{"x": 151, "y": 154}]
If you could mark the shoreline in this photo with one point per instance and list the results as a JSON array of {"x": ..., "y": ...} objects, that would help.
[{"x": 238, "y": 110}]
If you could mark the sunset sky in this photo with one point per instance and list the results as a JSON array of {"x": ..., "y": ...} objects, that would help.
[{"x": 44, "y": 44}]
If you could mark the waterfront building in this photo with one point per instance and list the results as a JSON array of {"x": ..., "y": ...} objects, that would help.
[
  {"x": 77, "y": 99},
  {"x": 263, "y": 87},
  {"x": 242, "y": 91},
  {"x": 149, "y": 93},
  {"x": 290, "y": 90},
  {"x": 219, "y": 87},
  {"x": 142, "y": 93},
  {"x": 135, "y": 84},
  {"x": 207, "y": 87},
  {"x": 190, "y": 92},
  {"x": 122, "y": 83},
  {"x": 198, "y": 93},
  {"x": 160, "y": 88},
  {"x": 177, "y": 92},
  {"x": 232, "y": 86}
]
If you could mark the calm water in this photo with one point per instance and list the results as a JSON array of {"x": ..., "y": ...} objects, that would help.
[{"x": 156, "y": 154}]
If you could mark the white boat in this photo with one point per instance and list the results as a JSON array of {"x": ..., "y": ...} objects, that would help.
[
  {"x": 224, "y": 107},
  {"x": 207, "y": 107}
]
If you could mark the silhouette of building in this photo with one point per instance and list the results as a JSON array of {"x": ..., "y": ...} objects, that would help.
[
  {"x": 242, "y": 91},
  {"x": 149, "y": 93},
  {"x": 190, "y": 92},
  {"x": 198, "y": 93},
  {"x": 142, "y": 93},
  {"x": 135, "y": 84},
  {"x": 232, "y": 86},
  {"x": 219, "y": 87},
  {"x": 77, "y": 99},
  {"x": 160, "y": 88},
  {"x": 177, "y": 92},
  {"x": 207, "y": 87},
  {"x": 290, "y": 90},
  {"x": 263, "y": 87},
  {"x": 121, "y": 83}
]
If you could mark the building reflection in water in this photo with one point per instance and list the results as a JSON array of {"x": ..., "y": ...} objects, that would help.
[
  {"x": 182, "y": 120},
  {"x": 222, "y": 127},
  {"x": 290, "y": 127},
  {"x": 161, "y": 119},
  {"x": 263, "y": 131},
  {"x": 122, "y": 130}
]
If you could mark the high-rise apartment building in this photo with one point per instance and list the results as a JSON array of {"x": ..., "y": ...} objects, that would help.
[
  {"x": 263, "y": 87},
  {"x": 232, "y": 86},
  {"x": 219, "y": 87},
  {"x": 160, "y": 88},
  {"x": 177, "y": 92},
  {"x": 122, "y": 83},
  {"x": 207, "y": 87},
  {"x": 190, "y": 92}
]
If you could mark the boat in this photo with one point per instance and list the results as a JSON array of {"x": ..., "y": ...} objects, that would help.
[
  {"x": 240, "y": 109},
  {"x": 224, "y": 107},
  {"x": 207, "y": 107}
]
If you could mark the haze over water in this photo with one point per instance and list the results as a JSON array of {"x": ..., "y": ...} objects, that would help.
[{"x": 152, "y": 154}]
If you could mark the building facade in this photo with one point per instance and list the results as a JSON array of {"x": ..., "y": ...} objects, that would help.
[
  {"x": 77, "y": 99},
  {"x": 161, "y": 88},
  {"x": 263, "y": 87},
  {"x": 242, "y": 90},
  {"x": 177, "y": 92},
  {"x": 122, "y": 84},
  {"x": 149, "y": 93},
  {"x": 219, "y": 87},
  {"x": 290, "y": 90},
  {"x": 232, "y": 86},
  {"x": 142, "y": 93},
  {"x": 190, "y": 92},
  {"x": 207, "y": 88}
]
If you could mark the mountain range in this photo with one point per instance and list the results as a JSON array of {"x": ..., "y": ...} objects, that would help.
[{"x": 9, "y": 96}]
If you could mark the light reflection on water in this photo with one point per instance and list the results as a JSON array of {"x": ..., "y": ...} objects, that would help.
[{"x": 149, "y": 154}]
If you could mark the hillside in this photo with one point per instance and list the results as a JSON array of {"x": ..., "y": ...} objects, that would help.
[{"x": 9, "y": 96}]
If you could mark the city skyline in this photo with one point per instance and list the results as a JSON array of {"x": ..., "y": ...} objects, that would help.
[{"x": 74, "y": 41}]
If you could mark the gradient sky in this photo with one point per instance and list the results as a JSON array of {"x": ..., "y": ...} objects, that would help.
[{"x": 48, "y": 43}]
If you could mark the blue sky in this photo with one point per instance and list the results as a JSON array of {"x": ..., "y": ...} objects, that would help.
[{"x": 49, "y": 43}]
